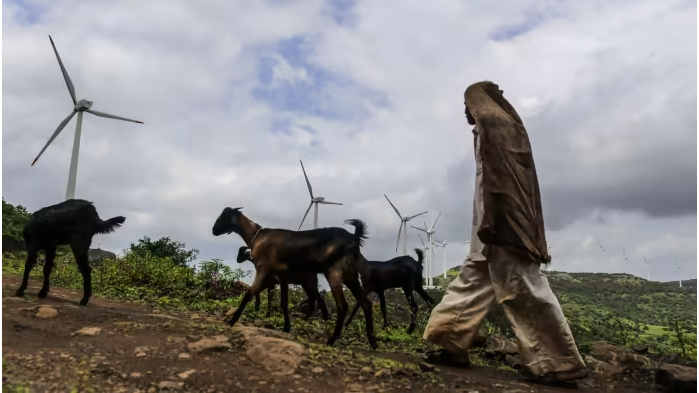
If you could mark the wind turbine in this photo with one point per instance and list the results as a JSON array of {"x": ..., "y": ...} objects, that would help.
[
  {"x": 647, "y": 268},
  {"x": 678, "y": 266},
  {"x": 444, "y": 245},
  {"x": 403, "y": 226},
  {"x": 430, "y": 238},
  {"x": 315, "y": 200},
  {"x": 426, "y": 248},
  {"x": 79, "y": 107},
  {"x": 600, "y": 246},
  {"x": 468, "y": 240},
  {"x": 625, "y": 257}
]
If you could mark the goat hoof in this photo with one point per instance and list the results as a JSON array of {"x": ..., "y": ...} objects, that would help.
[
  {"x": 42, "y": 294},
  {"x": 372, "y": 342},
  {"x": 83, "y": 302},
  {"x": 20, "y": 293}
]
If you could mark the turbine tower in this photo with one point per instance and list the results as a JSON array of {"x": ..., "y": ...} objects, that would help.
[
  {"x": 444, "y": 245},
  {"x": 647, "y": 268},
  {"x": 314, "y": 200},
  {"x": 403, "y": 226},
  {"x": 678, "y": 266},
  {"x": 79, "y": 106},
  {"x": 430, "y": 239},
  {"x": 468, "y": 240}
]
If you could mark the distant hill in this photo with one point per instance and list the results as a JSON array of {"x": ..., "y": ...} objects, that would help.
[
  {"x": 598, "y": 296},
  {"x": 685, "y": 283}
]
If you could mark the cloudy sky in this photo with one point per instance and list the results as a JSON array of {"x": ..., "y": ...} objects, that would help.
[{"x": 369, "y": 94}]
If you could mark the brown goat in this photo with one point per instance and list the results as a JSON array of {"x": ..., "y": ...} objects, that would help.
[
  {"x": 309, "y": 283},
  {"x": 332, "y": 251}
]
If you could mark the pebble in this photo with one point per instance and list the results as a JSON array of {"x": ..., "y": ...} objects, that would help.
[
  {"x": 186, "y": 374},
  {"x": 184, "y": 356},
  {"x": 317, "y": 370}
]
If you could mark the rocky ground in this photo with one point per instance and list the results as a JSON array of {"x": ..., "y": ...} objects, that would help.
[{"x": 54, "y": 345}]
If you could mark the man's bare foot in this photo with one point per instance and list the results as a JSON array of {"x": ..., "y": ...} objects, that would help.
[{"x": 445, "y": 358}]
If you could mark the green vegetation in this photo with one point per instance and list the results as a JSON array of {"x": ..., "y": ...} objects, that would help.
[
  {"x": 13, "y": 219},
  {"x": 619, "y": 308}
]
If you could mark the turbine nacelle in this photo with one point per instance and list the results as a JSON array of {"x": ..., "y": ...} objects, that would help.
[{"x": 83, "y": 105}]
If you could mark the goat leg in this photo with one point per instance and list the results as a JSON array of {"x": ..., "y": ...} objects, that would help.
[
  {"x": 354, "y": 311},
  {"x": 270, "y": 295},
  {"x": 28, "y": 265},
  {"x": 48, "y": 266},
  {"x": 382, "y": 299},
  {"x": 312, "y": 294},
  {"x": 356, "y": 288},
  {"x": 284, "y": 295},
  {"x": 423, "y": 294},
  {"x": 257, "y": 302},
  {"x": 254, "y": 290},
  {"x": 413, "y": 309},
  {"x": 323, "y": 306},
  {"x": 335, "y": 281}
]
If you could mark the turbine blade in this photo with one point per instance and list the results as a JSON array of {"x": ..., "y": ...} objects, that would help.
[
  {"x": 394, "y": 208},
  {"x": 330, "y": 203},
  {"x": 304, "y": 216},
  {"x": 310, "y": 190},
  {"x": 435, "y": 221},
  {"x": 55, "y": 134},
  {"x": 69, "y": 83},
  {"x": 411, "y": 217},
  {"x": 399, "y": 230},
  {"x": 107, "y": 115},
  {"x": 419, "y": 229},
  {"x": 423, "y": 243}
]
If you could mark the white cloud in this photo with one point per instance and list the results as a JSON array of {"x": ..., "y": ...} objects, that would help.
[{"x": 607, "y": 90}]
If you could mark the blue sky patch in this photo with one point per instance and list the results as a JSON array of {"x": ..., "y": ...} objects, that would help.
[
  {"x": 289, "y": 81},
  {"x": 28, "y": 12}
]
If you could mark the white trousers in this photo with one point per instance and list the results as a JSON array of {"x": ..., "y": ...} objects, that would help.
[{"x": 544, "y": 338}]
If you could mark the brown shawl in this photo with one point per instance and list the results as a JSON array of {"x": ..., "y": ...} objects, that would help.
[{"x": 511, "y": 199}]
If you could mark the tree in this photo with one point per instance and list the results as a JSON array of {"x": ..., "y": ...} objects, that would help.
[
  {"x": 165, "y": 248},
  {"x": 13, "y": 219}
]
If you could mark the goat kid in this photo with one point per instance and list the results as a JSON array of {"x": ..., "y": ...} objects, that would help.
[
  {"x": 73, "y": 222},
  {"x": 400, "y": 272},
  {"x": 309, "y": 283},
  {"x": 332, "y": 251}
]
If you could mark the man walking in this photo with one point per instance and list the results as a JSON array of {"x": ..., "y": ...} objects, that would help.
[{"x": 508, "y": 245}]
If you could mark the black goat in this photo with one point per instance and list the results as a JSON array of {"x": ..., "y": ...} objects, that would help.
[
  {"x": 309, "y": 283},
  {"x": 73, "y": 222},
  {"x": 332, "y": 251},
  {"x": 400, "y": 272}
]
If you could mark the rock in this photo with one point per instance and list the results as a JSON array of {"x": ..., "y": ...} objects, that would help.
[
  {"x": 676, "y": 378},
  {"x": 135, "y": 375},
  {"x": 513, "y": 362},
  {"x": 46, "y": 312},
  {"x": 640, "y": 349},
  {"x": 426, "y": 367},
  {"x": 366, "y": 369},
  {"x": 186, "y": 374},
  {"x": 317, "y": 370},
  {"x": 616, "y": 356},
  {"x": 184, "y": 355},
  {"x": 169, "y": 385},
  {"x": 230, "y": 313},
  {"x": 87, "y": 331},
  {"x": 601, "y": 367},
  {"x": 497, "y": 346},
  {"x": 214, "y": 343},
  {"x": 271, "y": 349}
]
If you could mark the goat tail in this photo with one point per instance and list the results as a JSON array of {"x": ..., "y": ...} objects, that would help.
[
  {"x": 109, "y": 226},
  {"x": 360, "y": 230},
  {"x": 420, "y": 256}
]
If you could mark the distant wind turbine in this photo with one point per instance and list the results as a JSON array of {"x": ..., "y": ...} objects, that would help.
[
  {"x": 79, "y": 106},
  {"x": 468, "y": 240},
  {"x": 403, "y": 226},
  {"x": 314, "y": 200},
  {"x": 647, "y": 268},
  {"x": 600, "y": 246},
  {"x": 678, "y": 266},
  {"x": 430, "y": 239},
  {"x": 625, "y": 257},
  {"x": 444, "y": 245}
]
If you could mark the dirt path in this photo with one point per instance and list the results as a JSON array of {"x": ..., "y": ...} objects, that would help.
[{"x": 137, "y": 350}]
